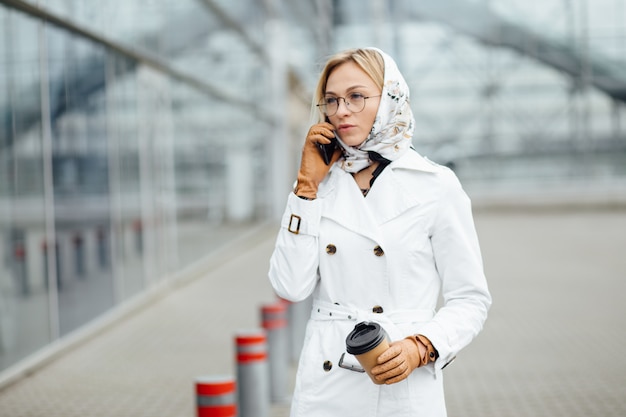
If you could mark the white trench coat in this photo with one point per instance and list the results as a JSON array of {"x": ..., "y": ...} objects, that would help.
[{"x": 385, "y": 258}]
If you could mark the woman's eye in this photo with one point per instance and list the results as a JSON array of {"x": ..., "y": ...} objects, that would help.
[
  {"x": 331, "y": 100},
  {"x": 356, "y": 96}
]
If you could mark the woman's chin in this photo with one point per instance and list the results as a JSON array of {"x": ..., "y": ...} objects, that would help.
[{"x": 351, "y": 141}]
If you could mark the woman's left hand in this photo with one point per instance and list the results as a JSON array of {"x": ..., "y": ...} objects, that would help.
[{"x": 397, "y": 362}]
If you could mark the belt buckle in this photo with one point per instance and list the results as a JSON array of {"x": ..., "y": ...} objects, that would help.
[
  {"x": 349, "y": 366},
  {"x": 298, "y": 219}
]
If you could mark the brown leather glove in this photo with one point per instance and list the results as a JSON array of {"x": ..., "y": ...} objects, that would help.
[
  {"x": 402, "y": 357},
  {"x": 312, "y": 167}
]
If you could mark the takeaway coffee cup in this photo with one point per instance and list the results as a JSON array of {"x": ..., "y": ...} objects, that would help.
[{"x": 366, "y": 342}]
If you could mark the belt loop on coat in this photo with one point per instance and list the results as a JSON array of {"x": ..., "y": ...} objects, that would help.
[{"x": 323, "y": 310}]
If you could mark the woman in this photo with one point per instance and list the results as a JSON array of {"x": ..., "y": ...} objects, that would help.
[{"x": 376, "y": 235}]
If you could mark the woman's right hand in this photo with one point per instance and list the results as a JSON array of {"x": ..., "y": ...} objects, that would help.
[{"x": 312, "y": 167}]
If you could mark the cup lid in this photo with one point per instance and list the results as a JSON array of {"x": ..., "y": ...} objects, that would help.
[{"x": 364, "y": 337}]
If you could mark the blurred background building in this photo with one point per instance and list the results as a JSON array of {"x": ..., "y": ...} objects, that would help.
[{"x": 138, "y": 136}]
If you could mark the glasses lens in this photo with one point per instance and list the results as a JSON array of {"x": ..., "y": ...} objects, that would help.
[
  {"x": 355, "y": 102},
  {"x": 329, "y": 106}
]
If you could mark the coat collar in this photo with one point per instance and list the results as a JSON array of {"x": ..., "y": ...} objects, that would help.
[
  {"x": 389, "y": 198},
  {"x": 414, "y": 161}
]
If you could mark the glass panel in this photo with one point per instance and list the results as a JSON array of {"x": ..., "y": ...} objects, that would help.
[
  {"x": 127, "y": 242},
  {"x": 24, "y": 308},
  {"x": 80, "y": 177},
  {"x": 156, "y": 171}
]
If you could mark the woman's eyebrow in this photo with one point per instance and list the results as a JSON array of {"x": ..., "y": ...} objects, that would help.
[{"x": 354, "y": 87}]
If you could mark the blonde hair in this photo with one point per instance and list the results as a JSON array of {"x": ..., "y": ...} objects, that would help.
[{"x": 368, "y": 60}]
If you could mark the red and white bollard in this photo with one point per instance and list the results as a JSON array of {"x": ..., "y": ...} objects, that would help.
[
  {"x": 79, "y": 255},
  {"x": 138, "y": 234},
  {"x": 253, "y": 392},
  {"x": 19, "y": 267},
  {"x": 298, "y": 315},
  {"x": 46, "y": 249},
  {"x": 216, "y": 396},
  {"x": 274, "y": 319},
  {"x": 102, "y": 247}
]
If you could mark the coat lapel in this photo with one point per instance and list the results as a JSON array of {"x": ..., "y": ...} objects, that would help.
[
  {"x": 388, "y": 199},
  {"x": 391, "y": 195},
  {"x": 346, "y": 206}
]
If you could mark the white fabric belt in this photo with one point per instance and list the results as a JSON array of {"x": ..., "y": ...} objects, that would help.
[{"x": 323, "y": 310}]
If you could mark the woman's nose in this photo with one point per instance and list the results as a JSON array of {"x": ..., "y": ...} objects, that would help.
[{"x": 342, "y": 107}]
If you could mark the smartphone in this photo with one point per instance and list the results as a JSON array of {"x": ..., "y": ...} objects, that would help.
[{"x": 327, "y": 150}]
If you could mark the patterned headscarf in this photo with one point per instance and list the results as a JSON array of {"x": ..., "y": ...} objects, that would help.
[{"x": 393, "y": 126}]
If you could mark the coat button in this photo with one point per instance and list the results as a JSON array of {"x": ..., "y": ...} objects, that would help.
[
  {"x": 377, "y": 309},
  {"x": 378, "y": 251},
  {"x": 331, "y": 249},
  {"x": 328, "y": 365}
]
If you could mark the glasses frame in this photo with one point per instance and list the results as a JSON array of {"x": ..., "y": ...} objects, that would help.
[{"x": 323, "y": 105}]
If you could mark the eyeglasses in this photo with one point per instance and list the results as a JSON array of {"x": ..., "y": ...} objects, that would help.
[{"x": 355, "y": 102}]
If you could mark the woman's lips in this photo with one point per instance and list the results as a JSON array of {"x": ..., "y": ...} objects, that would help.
[{"x": 343, "y": 128}]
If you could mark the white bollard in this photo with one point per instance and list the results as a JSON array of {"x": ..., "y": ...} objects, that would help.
[
  {"x": 216, "y": 396},
  {"x": 298, "y": 315},
  {"x": 274, "y": 318},
  {"x": 253, "y": 391}
]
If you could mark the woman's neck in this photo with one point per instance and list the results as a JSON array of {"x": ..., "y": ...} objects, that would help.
[{"x": 364, "y": 176}]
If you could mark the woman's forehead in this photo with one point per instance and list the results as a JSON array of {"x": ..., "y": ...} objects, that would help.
[{"x": 346, "y": 77}]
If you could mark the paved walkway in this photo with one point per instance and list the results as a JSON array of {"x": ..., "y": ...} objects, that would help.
[{"x": 552, "y": 346}]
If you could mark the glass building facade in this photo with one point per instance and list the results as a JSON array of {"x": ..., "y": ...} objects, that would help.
[{"x": 138, "y": 136}]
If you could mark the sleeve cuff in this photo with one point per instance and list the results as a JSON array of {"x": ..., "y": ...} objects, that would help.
[
  {"x": 440, "y": 344},
  {"x": 302, "y": 216},
  {"x": 431, "y": 352}
]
